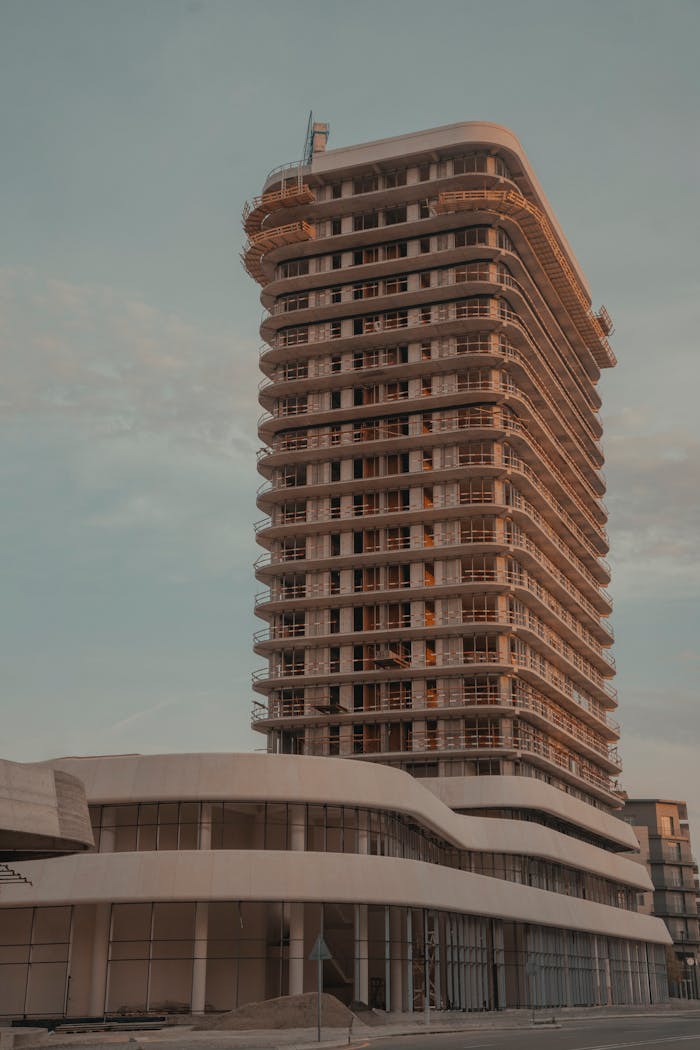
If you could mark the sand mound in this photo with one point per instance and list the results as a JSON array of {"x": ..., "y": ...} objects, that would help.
[{"x": 289, "y": 1011}]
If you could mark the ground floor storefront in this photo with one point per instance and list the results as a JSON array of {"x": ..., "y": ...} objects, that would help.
[{"x": 88, "y": 960}]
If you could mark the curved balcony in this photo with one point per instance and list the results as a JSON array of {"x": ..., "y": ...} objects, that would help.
[
  {"x": 507, "y": 392},
  {"x": 485, "y": 744},
  {"x": 287, "y": 381},
  {"x": 266, "y": 240},
  {"x": 298, "y": 558},
  {"x": 500, "y": 580},
  {"x": 332, "y": 303},
  {"x": 277, "y": 444},
  {"x": 307, "y": 595},
  {"x": 436, "y": 320},
  {"x": 416, "y": 626},
  {"x": 303, "y": 381},
  {"x": 329, "y": 298},
  {"x": 528, "y": 662},
  {"x": 446, "y": 386},
  {"x": 537, "y": 231},
  {"x": 290, "y": 522},
  {"x": 289, "y": 196},
  {"x": 446, "y": 703},
  {"x": 505, "y": 462}
]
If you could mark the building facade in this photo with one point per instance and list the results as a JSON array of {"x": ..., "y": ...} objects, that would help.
[
  {"x": 212, "y": 876},
  {"x": 439, "y": 797},
  {"x": 434, "y": 534},
  {"x": 661, "y": 826}
]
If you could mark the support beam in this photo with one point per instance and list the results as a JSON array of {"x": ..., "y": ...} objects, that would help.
[
  {"x": 199, "y": 965},
  {"x": 395, "y": 1000},
  {"x": 100, "y": 954},
  {"x": 361, "y": 960},
  {"x": 296, "y": 948}
]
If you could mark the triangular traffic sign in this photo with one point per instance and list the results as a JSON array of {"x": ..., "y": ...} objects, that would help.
[{"x": 320, "y": 950}]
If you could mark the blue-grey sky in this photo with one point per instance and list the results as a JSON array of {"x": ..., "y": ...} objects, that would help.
[{"x": 131, "y": 132}]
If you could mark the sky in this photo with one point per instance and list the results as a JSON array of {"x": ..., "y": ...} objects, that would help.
[{"x": 131, "y": 133}]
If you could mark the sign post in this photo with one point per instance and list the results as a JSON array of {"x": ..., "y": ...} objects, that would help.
[
  {"x": 319, "y": 952},
  {"x": 532, "y": 970}
]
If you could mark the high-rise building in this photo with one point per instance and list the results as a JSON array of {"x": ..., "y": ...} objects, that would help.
[{"x": 435, "y": 532}]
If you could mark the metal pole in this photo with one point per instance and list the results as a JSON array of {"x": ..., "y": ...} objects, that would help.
[
  {"x": 426, "y": 967},
  {"x": 320, "y": 988}
]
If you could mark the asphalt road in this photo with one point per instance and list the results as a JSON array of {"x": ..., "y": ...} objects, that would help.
[{"x": 600, "y": 1033}]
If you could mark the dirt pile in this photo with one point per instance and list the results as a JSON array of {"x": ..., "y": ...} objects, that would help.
[{"x": 289, "y": 1011}]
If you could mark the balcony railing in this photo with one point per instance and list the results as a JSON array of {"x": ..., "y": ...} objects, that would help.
[
  {"x": 400, "y": 295},
  {"x": 517, "y": 580},
  {"x": 526, "y": 700},
  {"x": 480, "y": 742},
  {"x": 302, "y": 407},
  {"x": 525, "y": 659},
  {"x": 487, "y": 344},
  {"x": 515, "y": 541},
  {"x": 435, "y": 314},
  {"x": 414, "y": 622},
  {"x": 515, "y": 500}
]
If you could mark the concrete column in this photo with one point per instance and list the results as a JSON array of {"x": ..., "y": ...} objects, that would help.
[
  {"x": 387, "y": 957},
  {"x": 296, "y": 948},
  {"x": 361, "y": 960},
  {"x": 199, "y": 964},
  {"x": 409, "y": 960},
  {"x": 396, "y": 997},
  {"x": 362, "y": 833},
  {"x": 608, "y": 982},
  {"x": 297, "y": 841},
  {"x": 205, "y": 826},
  {"x": 100, "y": 954},
  {"x": 108, "y": 833},
  {"x": 297, "y": 827}
]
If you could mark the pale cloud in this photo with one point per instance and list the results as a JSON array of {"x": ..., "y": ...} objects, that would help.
[
  {"x": 666, "y": 713},
  {"x": 654, "y": 503},
  {"x": 121, "y": 365},
  {"x": 665, "y": 769},
  {"x": 137, "y": 717}
]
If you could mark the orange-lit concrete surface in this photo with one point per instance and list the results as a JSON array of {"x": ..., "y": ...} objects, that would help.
[
  {"x": 434, "y": 532},
  {"x": 440, "y": 795}
]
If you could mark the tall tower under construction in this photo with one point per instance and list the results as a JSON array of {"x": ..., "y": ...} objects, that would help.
[{"x": 434, "y": 529}]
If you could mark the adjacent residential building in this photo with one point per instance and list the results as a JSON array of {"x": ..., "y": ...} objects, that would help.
[
  {"x": 440, "y": 796},
  {"x": 661, "y": 825}
]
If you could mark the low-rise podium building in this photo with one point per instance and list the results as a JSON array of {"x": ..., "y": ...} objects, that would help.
[{"x": 212, "y": 876}]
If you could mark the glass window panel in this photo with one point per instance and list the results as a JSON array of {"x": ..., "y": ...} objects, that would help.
[
  {"x": 128, "y": 985},
  {"x": 125, "y": 820},
  {"x": 16, "y": 926},
  {"x": 148, "y": 814},
  {"x": 131, "y": 922},
  {"x": 173, "y": 921},
  {"x": 49, "y": 953},
  {"x": 277, "y": 826},
  {"x": 12, "y": 953},
  {"x": 148, "y": 837},
  {"x": 51, "y": 925}
]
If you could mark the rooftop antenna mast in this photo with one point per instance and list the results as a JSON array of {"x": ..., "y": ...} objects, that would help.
[
  {"x": 315, "y": 142},
  {"x": 308, "y": 141}
]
